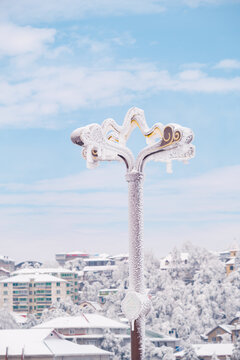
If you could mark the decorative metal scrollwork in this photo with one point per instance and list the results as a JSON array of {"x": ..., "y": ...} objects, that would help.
[{"x": 107, "y": 142}]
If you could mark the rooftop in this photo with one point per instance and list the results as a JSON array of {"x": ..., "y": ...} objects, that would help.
[
  {"x": 42, "y": 342},
  {"x": 26, "y": 278},
  {"x": 210, "y": 349},
  {"x": 42, "y": 270},
  {"x": 82, "y": 321}
]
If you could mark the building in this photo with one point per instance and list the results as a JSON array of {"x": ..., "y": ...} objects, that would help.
[
  {"x": 65, "y": 274},
  {"x": 167, "y": 262},
  {"x": 206, "y": 351},
  {"x": 104, "y": 293},
  {"x": 229, "y": 258},
  {"x": 62, "y": 258},
  {"x": 216, "y": 334},
  {"x": 6, "y": 263},
  {"x": 32, "y": 293},
  {"x": 86, "y": 328},
  {"x": 223, "y": 331},
  {"x": 45, "y": 344}
]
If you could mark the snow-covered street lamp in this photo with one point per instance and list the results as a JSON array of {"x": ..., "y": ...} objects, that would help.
[{"x": 107, "y": 142}]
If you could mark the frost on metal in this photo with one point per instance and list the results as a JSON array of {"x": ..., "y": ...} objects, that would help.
[
  {"x": 135, "y": 305},
  {"x": 107, "y": 142}
]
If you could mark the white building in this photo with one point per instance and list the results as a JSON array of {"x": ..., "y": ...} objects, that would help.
[
  {"x": 70, "y": 276},
  {"x": 86, "y": 328},
  {"x": 32, "y": 293},
  {"x": 45, "y": 344}
]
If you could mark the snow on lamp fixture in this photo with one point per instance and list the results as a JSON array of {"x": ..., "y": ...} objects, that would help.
[{"x": 107, "y": 142}]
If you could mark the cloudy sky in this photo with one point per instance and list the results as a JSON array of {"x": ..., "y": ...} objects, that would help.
[{"x": 65, "y": 64}]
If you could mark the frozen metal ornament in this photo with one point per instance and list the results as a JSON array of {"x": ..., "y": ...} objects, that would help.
[
  {"x": 135, "y": 305},
  {"x": 107, "y": 142}
]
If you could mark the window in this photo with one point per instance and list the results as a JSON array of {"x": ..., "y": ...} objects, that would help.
[
  {"x": 5, "y": 293},
  {"x": 58, "y": 283},
  {"x": 5, "y": 301},
  {"x": 58, "y": 292},
  {"x": 5, "y": 284},
  {"x": 231, "y": 267}
]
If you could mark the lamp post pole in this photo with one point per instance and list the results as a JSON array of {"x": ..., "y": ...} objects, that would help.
[
  {"x": 136, "y": 256},
  {"x": 107, "y": 142}
]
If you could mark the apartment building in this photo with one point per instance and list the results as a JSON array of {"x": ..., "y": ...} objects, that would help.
[
  {"x": 65, "y": 274},
  {"x": 32, "y": 293}
]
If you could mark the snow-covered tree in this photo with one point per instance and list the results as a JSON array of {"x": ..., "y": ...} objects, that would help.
[
  {"x": 60, "y": 308},
  {"x": 189, "y": 353},
  {"x": 236, "y": 350},
  {"x": 7, "y": 320},
  {"x": 31, "y": 321},
  {"x": 115, "y": 344},
  {"x": 214, "y": 357}
]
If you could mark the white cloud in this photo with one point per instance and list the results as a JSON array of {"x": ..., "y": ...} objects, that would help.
[
  {"x": 202, "y": 208},
  {"x": 191, "y": 75},
  {"x": 57, "y": 10},
  {"x": 20, "y": 10},
  {"x": 228, "y": 64},
  {"x": 54, "y": 90},
  {"x": 18, "y": 40}
]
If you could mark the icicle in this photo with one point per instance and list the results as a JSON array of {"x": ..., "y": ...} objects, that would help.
[
  {"x": 132, "y": 325},
  {"x": 169, "y": 167}
]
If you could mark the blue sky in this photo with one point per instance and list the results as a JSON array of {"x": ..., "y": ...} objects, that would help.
[{"x": 67, "y": 64}]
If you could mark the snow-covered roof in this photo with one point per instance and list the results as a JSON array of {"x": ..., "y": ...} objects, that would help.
[
  {"x": 99, "y": 268},
  {"x": 231, "y": 261},
  {"x": 5, "y": 258},
  {"x": 4, "y": 270},
  {"x": 225, "y": 327},
  {"x": 168, "y": 258},
  {"x": 228, "y": 328},
  {"x": 119, "y": 256},
  {"x": 82, "y": 321},
  {"x": 35, "y": 277},
  {"x": 42, "y": 342},
  {"x": 41, "y": 270},
  {"x": 210, "y": 349},
  {"x": 65, "y": 347}
]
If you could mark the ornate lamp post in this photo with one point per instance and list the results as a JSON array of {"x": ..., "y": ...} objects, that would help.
[{"x": 107, "y": 142}]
